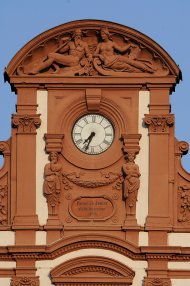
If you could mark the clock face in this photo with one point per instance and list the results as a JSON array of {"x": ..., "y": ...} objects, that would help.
[{"x": 93, "y": 134}]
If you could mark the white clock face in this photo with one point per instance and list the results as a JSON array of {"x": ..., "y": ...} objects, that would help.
[{"x": 93, "y": 134}]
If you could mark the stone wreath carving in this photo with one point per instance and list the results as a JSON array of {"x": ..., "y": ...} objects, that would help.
[
  {"x": 108, "y": 178},
  {"x": 77, "y": 53}
]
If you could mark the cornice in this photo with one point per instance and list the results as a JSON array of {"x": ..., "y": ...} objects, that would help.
[{"x": 169, "y": 253}]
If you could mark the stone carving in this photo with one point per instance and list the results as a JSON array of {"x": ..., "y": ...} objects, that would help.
[
  {"x": 117, "y": 62},
  {"x": 93, "y": 268},
  {"x": 181, "y": 148},
  {"x": 75, "y": 178},
  {"x": 81, "y": 52},
  {"x": 157, "y": 282},
  {"x": 184, "y": 203},
  {"x": 3, "y": 205},
  {"x": 25, "y": 281},
  {"x": 72, "y": 54},
  {"x": 159, "y": 123},
  {"x": 52, "y": 182},
  {"x": 26, "y": 123},
  {"x": 131, "y": 184},
  {"x": 4, "y": 148},
  {"x": 92, "y": 208}
]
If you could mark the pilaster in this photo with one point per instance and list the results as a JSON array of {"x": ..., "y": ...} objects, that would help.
[{"x": 25, "y": 122}]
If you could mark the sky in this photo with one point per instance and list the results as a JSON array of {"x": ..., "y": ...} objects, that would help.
[{"x": 167, "y": 22}]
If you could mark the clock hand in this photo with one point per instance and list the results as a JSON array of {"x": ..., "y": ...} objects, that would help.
[{"x": 89, "y": 139}]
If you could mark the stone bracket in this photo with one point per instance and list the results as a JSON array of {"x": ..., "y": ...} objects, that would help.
[
  {"x": 93, "y": 99},
  {"x": 54, "y": 142}
]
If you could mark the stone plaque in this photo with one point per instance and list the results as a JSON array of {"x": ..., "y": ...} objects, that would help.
[{"x": 92, "y": 208}]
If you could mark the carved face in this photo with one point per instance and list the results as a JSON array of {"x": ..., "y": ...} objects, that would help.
[
  {"x": 131, "y": 157},
  {"x": 53, "y": 157}
]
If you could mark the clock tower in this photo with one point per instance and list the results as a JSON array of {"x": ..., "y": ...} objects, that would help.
[{"x": 92, "y": 189}]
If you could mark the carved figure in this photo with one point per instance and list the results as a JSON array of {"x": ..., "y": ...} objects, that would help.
[
  {"x": 68, "y": 54},
  {"x": 105, "y": 51},
  {"x": 52, "y": 182},
  {"x": 131, "y": 184}
]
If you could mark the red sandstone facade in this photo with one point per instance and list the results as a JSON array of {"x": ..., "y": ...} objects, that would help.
[{"x": 92, "y": 187}]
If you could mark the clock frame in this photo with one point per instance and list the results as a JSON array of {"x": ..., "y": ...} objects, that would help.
[{"x": 93, "y": 134}]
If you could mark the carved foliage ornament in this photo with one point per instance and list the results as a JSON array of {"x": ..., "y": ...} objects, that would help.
[
  {"x": 25, "y": 281},
  {"x": 86, "y": 52},
  {"x": 3, "y": 205},
  {"x": 157, "y": 282},
  {"x": 26, "y": 123},
  {"x": 107, "y": 179},
  {"x": 184, "y": 203},
  {"x": 159, "y": 124}
]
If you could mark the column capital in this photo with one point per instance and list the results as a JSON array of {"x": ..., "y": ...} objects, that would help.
[
  {"x": 159, "y": 124},
  {"x": 26, "y": 124}
]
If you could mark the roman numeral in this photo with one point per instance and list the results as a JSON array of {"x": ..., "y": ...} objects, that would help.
[
  {"x": 92, "y": 150},
  {"x": 77, "y": 133},
  {"x": 107, "y": 126},
  {"x": 106, "y": 142},
  {"x": 93, "y": 118},
  {"x": 78, "y": 141},
  {"x": 85, "y": 120}
]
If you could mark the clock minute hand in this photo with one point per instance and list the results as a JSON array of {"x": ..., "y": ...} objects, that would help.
[{"x": 89, "y": 139}]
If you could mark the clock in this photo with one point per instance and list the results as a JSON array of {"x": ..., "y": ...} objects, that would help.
[{"x": 93, "y": 134}]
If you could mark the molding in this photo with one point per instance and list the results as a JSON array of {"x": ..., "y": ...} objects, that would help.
[
  {"x": 54, "y": 142},
  {"x": 92, "y": 270},
  {"x": 111, "y": 243}
]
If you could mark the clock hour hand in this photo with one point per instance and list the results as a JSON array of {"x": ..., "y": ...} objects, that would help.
[{"x": 88, "y": 140}]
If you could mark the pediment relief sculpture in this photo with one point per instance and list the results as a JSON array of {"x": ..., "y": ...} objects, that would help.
[{"x": 92, "y": 52}]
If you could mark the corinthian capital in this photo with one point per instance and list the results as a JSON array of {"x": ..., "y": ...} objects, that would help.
[
  {"x": 26, "y": 123},
  {"x": 159, "y": 123}
]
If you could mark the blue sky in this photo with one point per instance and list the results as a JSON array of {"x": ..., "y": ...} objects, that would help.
[{"x": 165, "y": 21}]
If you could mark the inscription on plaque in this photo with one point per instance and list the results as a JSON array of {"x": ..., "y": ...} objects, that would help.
[{"x": 92, "y": 208}]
